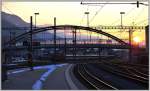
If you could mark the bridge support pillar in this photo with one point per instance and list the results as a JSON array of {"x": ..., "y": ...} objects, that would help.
[
  {"x": 74, "y": 43},
  {"x": 99, "y": 53},
  {"x": 130, "y": 43},
  {"x": 65, "y": 47},
  {"x": 4, "y": 66},
  {"x": 12, "y": 36},
  {"x": 4, "y": 72}
]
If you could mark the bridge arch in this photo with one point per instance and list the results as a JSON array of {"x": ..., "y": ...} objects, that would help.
[{"x": 61, "y": 27}]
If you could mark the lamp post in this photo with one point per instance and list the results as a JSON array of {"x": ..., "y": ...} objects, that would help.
[
  {"x": 35, "y": 18},
  {"x": 121, "y": 13},
  {"x": 87, "y": 13}
]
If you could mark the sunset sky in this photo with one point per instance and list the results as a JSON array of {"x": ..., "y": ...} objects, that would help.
[{"x": 73, "y": 13}]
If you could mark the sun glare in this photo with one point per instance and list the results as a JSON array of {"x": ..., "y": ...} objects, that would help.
[{"x": 136, "y": 39}]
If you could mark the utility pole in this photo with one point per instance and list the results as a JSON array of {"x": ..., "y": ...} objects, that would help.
[
  {"x": 55, "y": 36},
  {"x": 30, "y": 61}
]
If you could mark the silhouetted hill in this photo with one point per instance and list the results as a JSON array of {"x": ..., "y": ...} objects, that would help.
[{"x": 9, "y": 20}]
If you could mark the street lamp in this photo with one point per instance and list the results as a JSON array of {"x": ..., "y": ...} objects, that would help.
[
  {"x": 35, "y": 18},
  {"x": 121, "y": 13},
  {"x": 87, "y": 13}
]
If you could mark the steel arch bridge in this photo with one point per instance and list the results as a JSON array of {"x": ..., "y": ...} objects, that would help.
[
  {"x": 66, "y": 52},
  {"x": 65, "y": 27}
]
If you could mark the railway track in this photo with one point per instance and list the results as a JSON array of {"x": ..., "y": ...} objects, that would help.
[
  {"x": 135, "y": 71},
  {"x": 124, "y": 73},
  {"x": 138, "y": 67},
  {"x": 131, "y": 71},
  {"x": 91, "y": 80}
]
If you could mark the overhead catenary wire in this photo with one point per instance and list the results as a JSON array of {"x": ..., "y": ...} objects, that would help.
[
  {"x": 142, "y": 21},
  {"x": 80, "y": 24},
  {"x": 98, "y": 3},
  {"x": 8, "y": 10},
  {"x": 129, "y": 12},
  {"x": 82, "y": 19},
  {"x": 97, "y": 13},
  {"x": 139, "y": 14},
  {"x": 88, "y": 3}
]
